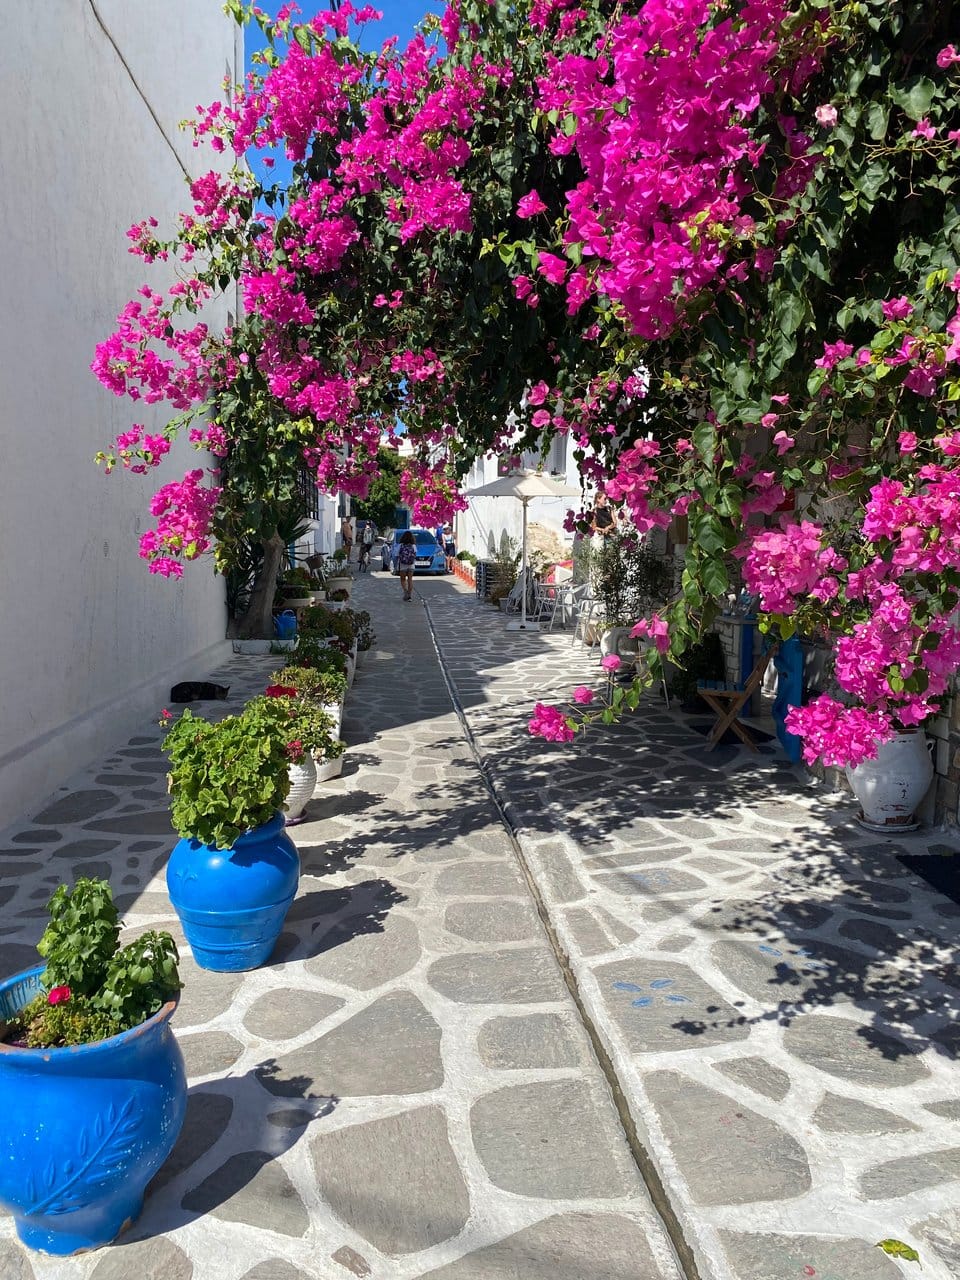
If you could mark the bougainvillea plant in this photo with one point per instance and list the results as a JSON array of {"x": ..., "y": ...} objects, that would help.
[{"x": 715, "y": 244}]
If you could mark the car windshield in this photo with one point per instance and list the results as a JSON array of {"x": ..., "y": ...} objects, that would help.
[{"x": 422, "y": 537}]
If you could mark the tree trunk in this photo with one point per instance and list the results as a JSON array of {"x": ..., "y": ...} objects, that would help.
[{"x": 257, "y": 621}]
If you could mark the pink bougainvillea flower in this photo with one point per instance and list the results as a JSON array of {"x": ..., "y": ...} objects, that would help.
[
  {"x": 552, "y": 267},
  {"x": 769, "y": 420},
  {"x": 550, "y": 723},
  {"x": 826, "y": 115},
  {"x": 583, "y": 695},
  {"x": 655, "y": 629},
  {"x": 530, "y": 205},
  {"x": 947, "y": 57},
  {"x": 897, "y": 309},
  {"x": 924, "y": 129},
  {"x": 907, "y": 441},
  {"x": 833, "y": 353},
  {"x": 783, "y": 442},
  {"x": 59, "y": 995},
  {"x": 921, "y": 381},
  {"x": 611, "y": 662}
]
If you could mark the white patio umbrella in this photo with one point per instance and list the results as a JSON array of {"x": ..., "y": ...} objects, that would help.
[{"x": 524, "y": 485}]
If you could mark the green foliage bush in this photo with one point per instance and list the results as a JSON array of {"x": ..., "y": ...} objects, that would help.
[
  {"x": 230, "y": 776},
  {"x": 101, "y": 987}
]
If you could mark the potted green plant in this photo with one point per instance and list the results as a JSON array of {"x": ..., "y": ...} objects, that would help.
[
  {"x": 234, "y": 871},
  {"x": 339, "y": 578},
  {"x": 92, "y": 1081},
  {"x": 325, "y": 685},
  {"x": 294, "y": 589},
  {"x": 313, "y": 727},
  {"x": 363, "y": 633}
]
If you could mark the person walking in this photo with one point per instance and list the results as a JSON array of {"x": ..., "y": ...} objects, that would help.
[
  {"x": 406, "y": 557},
  {"x": 346, "y": 537},
  {"x": 367, "y": 535},
  {"x": 449, "y": 547}
]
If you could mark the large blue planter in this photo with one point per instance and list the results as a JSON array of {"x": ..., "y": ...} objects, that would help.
[
  {"x": 232, "y": 902},
  {"x": 85, "y": 1128}
]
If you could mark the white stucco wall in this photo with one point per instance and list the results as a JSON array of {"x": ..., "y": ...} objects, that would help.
[
  {"x": 486, "y": 520},
  {"x": 89, "y": 641}
]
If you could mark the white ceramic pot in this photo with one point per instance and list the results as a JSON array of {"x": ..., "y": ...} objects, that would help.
[
  {"x": 335, "y": 711},
  {"x": 890, "y": 787},
  {"x": 339, "y": 584},
  {"x": 327, "y": 769},
  {"x": 618, "y": 641},
  {"x": 303, "y": 779}
]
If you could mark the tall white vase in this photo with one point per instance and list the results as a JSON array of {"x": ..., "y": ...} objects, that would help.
[
  {"x": 890, "y": 787},
  {"x": 303, "y": 780}
]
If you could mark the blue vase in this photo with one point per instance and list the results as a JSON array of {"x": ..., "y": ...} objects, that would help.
[
  {"x": 232, "y": 902},
  {"x": 85, "y": 1128}
]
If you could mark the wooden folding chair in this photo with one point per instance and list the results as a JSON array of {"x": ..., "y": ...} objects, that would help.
[{"x": 728, "y": 700}]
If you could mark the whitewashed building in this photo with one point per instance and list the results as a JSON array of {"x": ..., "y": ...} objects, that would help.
[{"x": 91, "y": 95}]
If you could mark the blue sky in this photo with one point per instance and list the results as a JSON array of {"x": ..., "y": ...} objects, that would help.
[{"x": 399, "y": 19}]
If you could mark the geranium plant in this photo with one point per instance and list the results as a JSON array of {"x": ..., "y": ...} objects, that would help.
[
  {"x": 93, "y": 988},
  {"x": 311, "y": 727},
  {"x": 324, "y": 686},
  {"x": 229, "y": 776}
]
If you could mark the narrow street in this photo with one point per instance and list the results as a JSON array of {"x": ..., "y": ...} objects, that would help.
[{"x": 621, "y": 1011}]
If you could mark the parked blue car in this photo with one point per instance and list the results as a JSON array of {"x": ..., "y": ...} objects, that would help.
[{"x": 430, "y": 555}]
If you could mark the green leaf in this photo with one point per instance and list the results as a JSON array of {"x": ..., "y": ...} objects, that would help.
[
  {"x": 915, "y": 97},
  {"x": 715, "y": 578},
  {"x": 897, "y": 1249},
  {"x": 705, "y": 441},
  {"x": 878, "y": 117}
]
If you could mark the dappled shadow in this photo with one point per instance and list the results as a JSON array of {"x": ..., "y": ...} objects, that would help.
[
  {"x": 234, "y": 1128},
  {"x": 826, "y": 916},
  {"x": 322, "y": 919}
]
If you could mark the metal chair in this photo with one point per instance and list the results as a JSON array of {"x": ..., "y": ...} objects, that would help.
[{"x": 585, "y": 607}]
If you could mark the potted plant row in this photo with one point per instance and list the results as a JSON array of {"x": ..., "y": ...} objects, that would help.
[{"x": 235, "y": 784}]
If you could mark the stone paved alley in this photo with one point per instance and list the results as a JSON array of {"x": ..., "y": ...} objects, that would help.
[{"x": 661, "y": 1013}]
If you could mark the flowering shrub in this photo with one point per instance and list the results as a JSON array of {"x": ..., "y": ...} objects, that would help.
[
  {"x": 749, "y": 320},
  {"x": 92, "y": 987}
]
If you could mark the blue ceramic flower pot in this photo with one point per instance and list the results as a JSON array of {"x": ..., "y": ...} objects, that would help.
[
  {"x": 85, "y": 1128},
  {"x": 232, "y": 902}
]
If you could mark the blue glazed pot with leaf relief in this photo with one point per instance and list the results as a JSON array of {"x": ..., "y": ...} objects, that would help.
[{"x": 85, "y": 1128}]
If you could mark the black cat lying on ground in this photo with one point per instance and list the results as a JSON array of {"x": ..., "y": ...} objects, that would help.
[{"x": 198, "y": 691}]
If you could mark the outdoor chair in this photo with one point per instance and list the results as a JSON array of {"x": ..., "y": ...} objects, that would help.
[
  {"x": 585, "y": 607},
  {"x": 728, "y": 700},
  {"x": 554, "y": 601}
]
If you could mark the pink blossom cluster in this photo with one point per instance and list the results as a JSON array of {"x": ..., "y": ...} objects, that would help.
[
  {"x": 839, "y": 735},
  {"x": 550, "y": 723},
  {"x": 633, "y": 483},
  {"x": 784, "y": 566},
  {"x": 648, "y": 208},
  {"x": 430, "y": 491},
  {"x": 184, "y": 511}
]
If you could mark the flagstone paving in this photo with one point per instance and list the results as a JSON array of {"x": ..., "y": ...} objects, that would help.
[
  {"x": 408, "y": 1089},
  {"x": 777, "y": 995}
]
